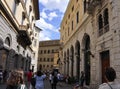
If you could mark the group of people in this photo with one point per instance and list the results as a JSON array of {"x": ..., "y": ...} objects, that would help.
[
  {"x": 16, "y": 80},
  {"x": 110, "y": 76},
  {"x": 54, "y": 77}
]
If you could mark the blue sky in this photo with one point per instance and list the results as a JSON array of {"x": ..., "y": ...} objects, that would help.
[{"x": 51, "y": 14}]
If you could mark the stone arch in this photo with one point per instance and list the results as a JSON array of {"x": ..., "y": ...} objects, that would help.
[
  {"x": 106, "y": 17},
  {"x": 77, "y": 54},
  {"x": 100, "y": 22},
  {"x": 64, "y": 62},
  {"x": 86, "y": 50},
  {"x": 8, "y": 40},
  {"x": 68, "y": 61}
]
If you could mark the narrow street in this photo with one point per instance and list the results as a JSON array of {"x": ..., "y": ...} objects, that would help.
[
  {"x": 61, "y": 85},
  {"x": 47, "y": 85}
]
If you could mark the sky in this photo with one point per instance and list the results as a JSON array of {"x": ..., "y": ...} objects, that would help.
[{"x": 51, "y": 14}]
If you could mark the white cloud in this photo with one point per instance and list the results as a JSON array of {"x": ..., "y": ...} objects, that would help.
[
  {"x": 43, "y": 14},
  {"x": 43, "y": 36},
  {"x": 46, "y": 26},
  {"x": 52, "y": 15},
  {"x": 49, "y": 13},
  {"x": 43, "y": 24},
  {"x": 49, "y": 16},
  {"x": 55, "y": 4}
]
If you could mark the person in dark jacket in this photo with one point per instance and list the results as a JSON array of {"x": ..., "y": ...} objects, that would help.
[{"x": 54, "y": 80}]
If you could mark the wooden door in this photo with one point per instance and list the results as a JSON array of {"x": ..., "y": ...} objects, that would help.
[{"x": 105, "y": 60}]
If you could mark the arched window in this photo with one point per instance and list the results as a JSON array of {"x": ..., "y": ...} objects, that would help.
[
  {"x": 7, "y": 41},
  {"x": 100, "y": 21},
  {"x": 18, "y": 48},
  {"x": 106, "y": 18},
  {"x": 84, "y": 6},
  {"x": 48, "y": 51}
]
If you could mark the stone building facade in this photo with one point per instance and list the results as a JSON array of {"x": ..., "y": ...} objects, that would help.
[
  {"x": 90, "y": 33},
  {"x": 17, "y": 33},
  {"x": 48, "y": 55}
]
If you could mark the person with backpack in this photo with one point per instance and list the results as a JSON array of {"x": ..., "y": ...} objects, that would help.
[{"x": 54, "y": 80}]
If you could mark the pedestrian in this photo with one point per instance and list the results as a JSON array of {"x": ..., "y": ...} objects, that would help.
[
  {"x": 12, "y": 80},
  {"x": 1, "y": 76},
  {"x": 33, "y": 80},
  {"x": 21, "y": 72},
  {"x": 40, "y": 80},
  {"x": 50, "y": 77},
  {"x": 81, "y": 82},
  {"x": 5, "y": 75},
  {"x": 67, "y": 77},
  {"x": 21, "y": 84},
  {"x": 59, "y": 79},
  {"x": 29, "y": 77},
  {"x": 54, "y": 80},
  {"x": 110, "y": 76},
  {"x": 82, "y": 79}
]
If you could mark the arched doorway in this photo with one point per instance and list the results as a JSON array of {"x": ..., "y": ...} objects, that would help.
[
  {"x": 72, "y": 59},
  {"x": 68, "y": 62},
  {"x": 86, "y": 44},
  {"x": 64, "y": 62},
  {"x": 77, "y": 54},
  {"x": 3, "y": 56},
  {"x": 105, "y": 62}
]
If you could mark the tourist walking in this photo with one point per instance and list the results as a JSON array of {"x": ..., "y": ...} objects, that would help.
[
  {"x": 12, "y": 80},
  {"x": 29, "y": 76},
  {"x": 1, "y": 76},
  {"x": 54, "y": 80},
  {"x": 81, "y": 81},
  {"x": 50, "y": 77},
  {"x": 110, "y": 76},
  {"x": 40, "y": 80}
]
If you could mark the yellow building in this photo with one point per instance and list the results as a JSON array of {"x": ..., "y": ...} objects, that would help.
[
  {"x": 89, "y": 39},
  {"x": 48, "y": 55},
  {"x": 18, "y": 34}
]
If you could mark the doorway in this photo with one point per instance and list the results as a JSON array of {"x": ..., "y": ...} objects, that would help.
[{"x": 105, "y": 62}]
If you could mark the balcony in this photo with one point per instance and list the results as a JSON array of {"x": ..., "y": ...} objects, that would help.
[
  {"x": 23, "y": 37},
  {"x": 91, "y": 4}
]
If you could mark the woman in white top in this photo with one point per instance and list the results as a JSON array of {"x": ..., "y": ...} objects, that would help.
[
  {"x": 110, "y": 76},
  {"x": 50, "y": 77},
  {"x": 40, "y": 80}
]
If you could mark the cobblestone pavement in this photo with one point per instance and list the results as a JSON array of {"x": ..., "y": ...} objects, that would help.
[{"x": 60, "y": 85}]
